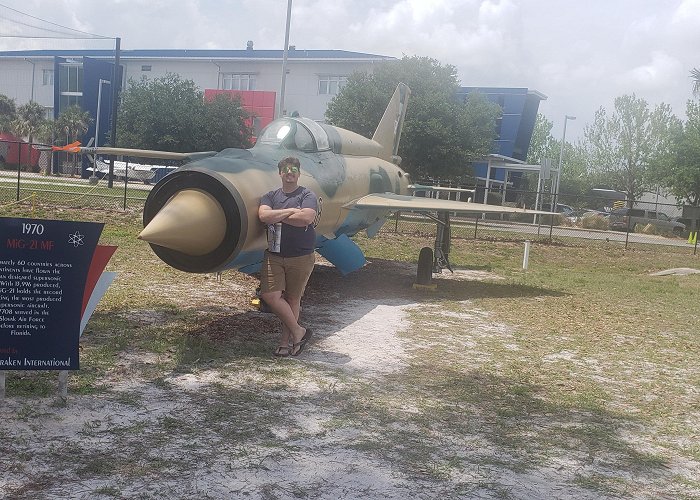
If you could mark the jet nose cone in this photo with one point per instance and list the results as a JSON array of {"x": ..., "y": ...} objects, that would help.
[{"x": 191, "y": 222}]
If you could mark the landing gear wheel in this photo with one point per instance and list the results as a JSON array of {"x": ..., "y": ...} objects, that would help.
[{"x": 425, "y": 266}]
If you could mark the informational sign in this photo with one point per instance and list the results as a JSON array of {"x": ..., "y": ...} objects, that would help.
[{"x": 44, "y": 266}]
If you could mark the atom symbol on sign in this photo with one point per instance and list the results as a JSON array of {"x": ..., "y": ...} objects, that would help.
[{"x": 76, "y": 239}]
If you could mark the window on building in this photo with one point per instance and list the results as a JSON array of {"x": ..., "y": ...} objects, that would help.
[
  {"x": 71, "y": 78},
  {"x": 331, "y": 84},
  {"x": 146, "y": 67},
  {"x": 238, "y": 81},
  {"x": 47, "y": 77},
  {"x": 67, "y": 100},
  {"x": 48, "y": 113}
]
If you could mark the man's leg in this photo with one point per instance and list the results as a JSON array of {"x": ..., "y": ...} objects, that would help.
[
  {"x": 272, "y": 285},
  {"x": 297, "y": 273},
  {"x": 295, "y": 304},
  {"x": 281, "y": 308}
]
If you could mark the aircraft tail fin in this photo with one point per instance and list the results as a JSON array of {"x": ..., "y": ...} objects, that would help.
[{"x": 388, "y": 131}]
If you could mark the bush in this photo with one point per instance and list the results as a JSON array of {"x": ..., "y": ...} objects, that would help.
[
  {"x": 594, "y": 222},
  {"x": 652, "y": 229}
]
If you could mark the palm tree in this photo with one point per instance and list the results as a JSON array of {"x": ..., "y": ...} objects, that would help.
[
  {"x": 75, "y": 122},
  {"x": 695, "y": 75},
  {"x": 46, "y": 134},
  {"x": 28, "y": 120},
  {"x": 30, "y": 117}
]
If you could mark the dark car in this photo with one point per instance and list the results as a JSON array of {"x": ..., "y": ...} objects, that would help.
[{"x": 627, "y": 218}]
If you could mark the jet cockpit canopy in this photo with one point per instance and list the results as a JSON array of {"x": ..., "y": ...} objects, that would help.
[{"x": 302, "y": 134}]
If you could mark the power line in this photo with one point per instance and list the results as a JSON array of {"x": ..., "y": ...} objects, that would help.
[{"x": 70, "y": 33}]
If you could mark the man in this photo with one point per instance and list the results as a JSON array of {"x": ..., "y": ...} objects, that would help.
[{"x": 289, "y": 213}]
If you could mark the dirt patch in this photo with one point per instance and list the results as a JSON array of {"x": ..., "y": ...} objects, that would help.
[{"x": 389, "y": 401}]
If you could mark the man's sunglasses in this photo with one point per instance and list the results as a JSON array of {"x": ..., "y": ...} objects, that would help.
[{"x": 290, "y": 170}]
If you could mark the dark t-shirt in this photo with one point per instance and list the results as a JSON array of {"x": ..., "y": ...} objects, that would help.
[{"x": 284, "y": 239}]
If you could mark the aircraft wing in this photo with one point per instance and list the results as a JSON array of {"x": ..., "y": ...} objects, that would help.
[
  {"x": 397, "y": 202},
  {"x": 75, "y": 147},
  {"x": 142, "y": 153}
]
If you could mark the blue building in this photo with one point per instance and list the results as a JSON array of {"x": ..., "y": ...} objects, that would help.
[{"x": 513, "y": 131}]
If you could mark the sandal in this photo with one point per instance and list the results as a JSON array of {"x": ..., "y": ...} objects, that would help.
[
  {"x": 299, "y": 346},
  {"x": 283, "y": 351}
]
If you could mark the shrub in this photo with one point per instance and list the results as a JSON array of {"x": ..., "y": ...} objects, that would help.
[{"x": 594, "y": 222}]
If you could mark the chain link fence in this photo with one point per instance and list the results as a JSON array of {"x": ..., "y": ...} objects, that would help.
[
  {"x": 31, "y": 174},
  {"x": 37, "y": 175},
  {"x": 579, "y": 218}
]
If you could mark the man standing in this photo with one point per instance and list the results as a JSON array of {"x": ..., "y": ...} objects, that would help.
[{"x": 289, "y": 213}]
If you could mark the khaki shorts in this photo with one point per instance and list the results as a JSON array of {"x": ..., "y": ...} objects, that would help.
[{"x": 286, "y": 274}]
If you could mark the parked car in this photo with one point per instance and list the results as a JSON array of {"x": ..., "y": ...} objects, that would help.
[
  {"x": 627, "y": 218},
  {"x": 565, "y": 210}
]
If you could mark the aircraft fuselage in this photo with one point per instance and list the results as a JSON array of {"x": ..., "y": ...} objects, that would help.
[{"x": 235, "y": 180}]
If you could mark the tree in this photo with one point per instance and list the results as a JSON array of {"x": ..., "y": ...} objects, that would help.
[
  {"x": 74, "y": 122},
  {"x": 575, "y": 177},
  {"x": 227, "y": 124},
  {"x": 682, "y": 177},
  {"x": 29, "y": 119},
  {"x": 170, "y": 114},
  {"x": 8, "y": 112},
  {"x": 441, "y": 134},
  {"x": 631, "y": 145},
  {"x": 695, "y": 75},
  {"x": 542, "y": 144}
]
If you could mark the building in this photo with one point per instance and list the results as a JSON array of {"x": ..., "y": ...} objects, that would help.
[
  {"x": 57, "y": 79},
  {"x": 513, "y": 129}
]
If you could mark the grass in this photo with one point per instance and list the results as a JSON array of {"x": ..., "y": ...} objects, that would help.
[
  {"x": 583, "y": 369},
  {"x": 70, "y": 192}
]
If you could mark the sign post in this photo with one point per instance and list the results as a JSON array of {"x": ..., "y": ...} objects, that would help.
[{"x": 44, "y": 268}]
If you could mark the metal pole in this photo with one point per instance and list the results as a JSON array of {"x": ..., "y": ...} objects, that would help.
[
  {"x": 126, "y": 178},
  {"x": 561, "y": 154},
  {"x": 526, "y": 255},
  {"x": 537, "y": 196},
  {"x": 93, "y": 177},
  {"x": 284, "y": 59},
  {"x": 116, "y": 87},
  {"x": 19, "y": 166}
]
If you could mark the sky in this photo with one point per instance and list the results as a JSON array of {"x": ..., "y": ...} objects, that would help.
[{"x": 581, "y": 55}]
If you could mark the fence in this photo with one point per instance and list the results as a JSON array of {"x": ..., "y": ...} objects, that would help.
[
  {"x": 580, "y": 218},
  {"x": 54, "y": 179},
  {"x": 31, "y": 175}
]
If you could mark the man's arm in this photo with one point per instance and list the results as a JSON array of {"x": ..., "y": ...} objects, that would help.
[
  {"x": 268, "y": 215},
  {"x": 302, "y": 218}
]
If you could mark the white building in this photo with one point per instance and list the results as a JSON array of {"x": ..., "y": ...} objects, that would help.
[{"x": 58, "y": 78}]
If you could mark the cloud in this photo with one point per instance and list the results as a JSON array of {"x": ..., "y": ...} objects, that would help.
[
  {"x": 661, "y": 71},
  {"x": 580, "y": 54}
]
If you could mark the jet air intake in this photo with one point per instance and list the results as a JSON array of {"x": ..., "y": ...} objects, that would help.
[{"x": 194, "y": 220}]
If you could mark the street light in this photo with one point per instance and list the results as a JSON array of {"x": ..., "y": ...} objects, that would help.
[
  {"x": 561, "y": 154},
  {"x": 93, "y": 177},
  {"x": 284, "y": 59}
]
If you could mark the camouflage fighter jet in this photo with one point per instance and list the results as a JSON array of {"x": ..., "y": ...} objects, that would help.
[{"x": 203, "y": 217}]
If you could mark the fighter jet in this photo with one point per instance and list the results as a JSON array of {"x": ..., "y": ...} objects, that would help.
[{"x": 203, "y": 217}]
